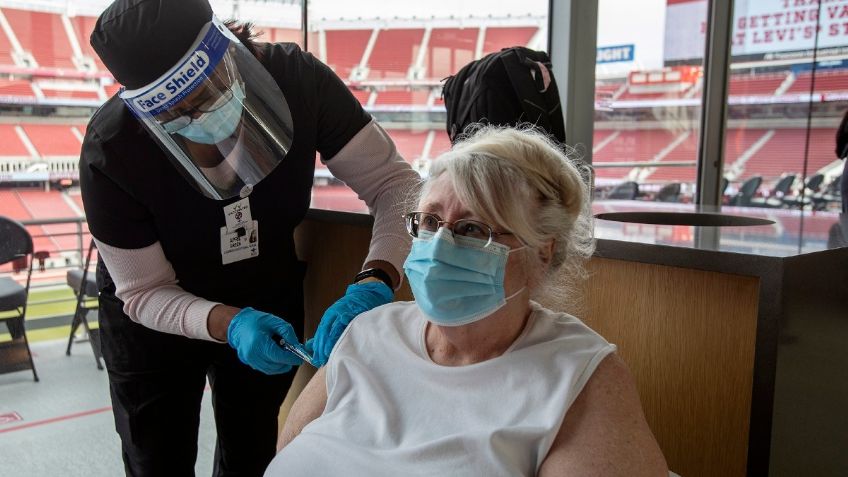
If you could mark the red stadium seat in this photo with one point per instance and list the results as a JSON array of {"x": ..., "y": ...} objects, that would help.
[
  {"x": 410, "y": 144},
  {"x": 416, "y": 97},
  {"x": 631, "y": 146},
  {"x": 345, "y": 49},
  {"x": 441, "y": 144},
  {"x": 53, "y": 139},
  {"x": 83, "y": 26},
  {"x": 502, "y": 37},
  {"x": 43, "y": 35},
  {"x": 784, "y": 152},
  {"x": 759, "y": 84},
  {"x": 394, "y": 52},
  {"x": 448, "y": 50},
  {"x": 16, "y": 88},
  {"x": 11, "y": 142}
]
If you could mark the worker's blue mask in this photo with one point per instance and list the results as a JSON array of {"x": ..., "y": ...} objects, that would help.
[
  {"x": 220, "y": 123},
  {"x": 456, "y": 280}
]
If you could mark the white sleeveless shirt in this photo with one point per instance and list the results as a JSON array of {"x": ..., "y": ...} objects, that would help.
[{"x": 392, "y": 411}]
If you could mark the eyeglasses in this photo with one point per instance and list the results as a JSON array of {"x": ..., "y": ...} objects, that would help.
[
  {"x": 417, "y": 222},
  {"x": 183, "y": 120}
]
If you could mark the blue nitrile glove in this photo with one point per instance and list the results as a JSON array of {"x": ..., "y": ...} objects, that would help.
[
  {"x": 251, "y": 335},
  {"x": 359, "y": 298}
]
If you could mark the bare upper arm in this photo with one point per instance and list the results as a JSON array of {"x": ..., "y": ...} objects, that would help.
[
  {"x": 308, "y": 406},
  {"x": 604, "y": 432}
]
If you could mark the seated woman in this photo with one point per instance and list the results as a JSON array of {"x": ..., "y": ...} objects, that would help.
[{"x": 474, "y": 377}]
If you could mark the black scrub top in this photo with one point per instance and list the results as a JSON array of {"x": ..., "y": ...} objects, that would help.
[{"x": 134, "y": 196}]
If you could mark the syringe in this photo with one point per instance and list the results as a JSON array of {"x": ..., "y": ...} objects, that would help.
[{"x": 292, "y": 349}]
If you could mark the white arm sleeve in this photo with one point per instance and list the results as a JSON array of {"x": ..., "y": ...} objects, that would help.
[
  {"x": 147, "y": 284},
  {"x": 370, "y": 164}
]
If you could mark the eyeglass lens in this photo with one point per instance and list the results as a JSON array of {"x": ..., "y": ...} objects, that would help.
[{"x": 420, "y": 221}]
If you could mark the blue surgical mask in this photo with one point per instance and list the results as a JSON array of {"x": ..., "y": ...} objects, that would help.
[
  {"x": 455, "y": 280},
  {"x": 215, "y": 126}
]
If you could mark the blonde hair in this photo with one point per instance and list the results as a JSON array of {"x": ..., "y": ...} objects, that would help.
[{"x": 518, "y": 179}]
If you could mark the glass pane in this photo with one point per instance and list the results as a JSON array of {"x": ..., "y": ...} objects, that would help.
[
  {"x": 788, "y": 90},
  {"x": 395, "y": 65},
  {"x": 648, "y": 95}
]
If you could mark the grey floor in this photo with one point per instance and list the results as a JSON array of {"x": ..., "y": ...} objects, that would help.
[{"x": 66, "y": 425}]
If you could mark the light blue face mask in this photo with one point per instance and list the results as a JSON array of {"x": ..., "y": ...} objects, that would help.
[
  {"x": 215, "y": 126},
  {"x": 455, "y": 281}
]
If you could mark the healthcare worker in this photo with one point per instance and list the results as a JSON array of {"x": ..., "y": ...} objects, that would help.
[{"x": 194, "y": 177}]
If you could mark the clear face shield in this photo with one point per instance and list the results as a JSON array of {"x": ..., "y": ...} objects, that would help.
[{"x": 218, "y": 114}]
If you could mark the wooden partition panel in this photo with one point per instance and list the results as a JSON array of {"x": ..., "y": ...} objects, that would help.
[
  {"x": 334, "y": 253},
  {"x": 688, "y": 337}
]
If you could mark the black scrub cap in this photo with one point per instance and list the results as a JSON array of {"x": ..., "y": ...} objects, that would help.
[{"x": 140, "y": 40}]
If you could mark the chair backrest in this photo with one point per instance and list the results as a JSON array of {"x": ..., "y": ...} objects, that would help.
[
  {"x": 749, "y": 187},
  {"x": 15, "y": 241},
  {"x": 669, "y": 192},
  {"x": 783, "y": 185},
  {"x": 833, "y": 186},
  {"x": 626, "y": 191},
  {"x": 814, "y": 182}
]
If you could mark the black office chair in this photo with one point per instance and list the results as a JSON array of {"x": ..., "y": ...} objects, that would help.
[
  {"x": 625, "y": 191},
  {"x": 85, "y": 288},
  {"x": 669, "y": 193},
  {"x": 811, "y": 188},
  {"x": 778, "y": 192},
  {"x": 746, "y": 192},
  {"x": 830, "y": 195},
  {"x": 15, "y": 246}
]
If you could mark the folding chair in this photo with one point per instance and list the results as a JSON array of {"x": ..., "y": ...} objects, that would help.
[
  {"x": 15, "y": 246},
  {"x": 85, "y": 289}
]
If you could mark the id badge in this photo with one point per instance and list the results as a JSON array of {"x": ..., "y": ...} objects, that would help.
[
  {"x": 240, "y": 244},
  {"x": 237, "y": 215}
]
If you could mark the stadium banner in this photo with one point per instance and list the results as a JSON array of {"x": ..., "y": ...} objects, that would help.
[
  {"x": 762, "y": 29},
  {"x": 615, "y": 54}
]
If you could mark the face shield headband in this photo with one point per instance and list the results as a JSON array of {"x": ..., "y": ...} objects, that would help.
[{"x": 218, "y": 115}]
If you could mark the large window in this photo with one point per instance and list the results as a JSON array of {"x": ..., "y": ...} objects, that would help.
[
  {"x": 787, "y": 92},
  {"x": 648, "y": 96},
  {"x": 788, "y": 88},
  {"x": 394, "y": 55}
]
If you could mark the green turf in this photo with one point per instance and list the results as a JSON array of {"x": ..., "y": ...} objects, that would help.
[{"x": 37, "y": 311}]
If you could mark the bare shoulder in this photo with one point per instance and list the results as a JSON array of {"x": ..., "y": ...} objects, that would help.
[
  {"x": 307, "y": 407},
  {"x": 604, "y": 432}
]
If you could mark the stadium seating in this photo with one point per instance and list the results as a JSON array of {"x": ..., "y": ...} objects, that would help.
[
  {"x": 630, "y": 95},
  {"x": 280, "y": 35},
  {"x": 43, "y": 35},
  {"x": 5, "y": 50},
  {"x": 441, "y": 143},
  {"x": 687, "y": 150},
  {"x": 13, "y": 207},
  {"x": 631, "y": 145},
  {"x": 785, "y": 152},
  {"x": 83, "y": 26},
  {"x": 16, "y": 88},
  {"x": 402, "y": 98},
  {"x": 765, "y": 84},
  {"x": 361, "y": 95},
  {"x": 394, "y": 52},
  {"x": 11, "y": 143},
  {"x": 50, "y": 205},
  {"x": 500, "y": 37},
  {"x": 345, "y": 49},
  {"x": 53, "y": 139},
  {"x": 448, "y": 50},
  {"x": 410, "y": 144},
  {"x": 826, "y": 81}
]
